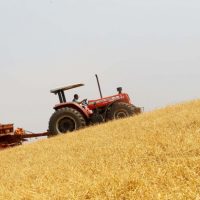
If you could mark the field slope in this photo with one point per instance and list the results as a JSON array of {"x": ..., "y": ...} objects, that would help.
[{"x": 152, "y": 156}]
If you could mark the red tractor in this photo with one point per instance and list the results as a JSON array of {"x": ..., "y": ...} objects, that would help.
[{"x": 70, "y": 116}]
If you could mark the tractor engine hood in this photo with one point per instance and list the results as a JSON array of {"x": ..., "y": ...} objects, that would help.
[{"x": 92, "y": 104}]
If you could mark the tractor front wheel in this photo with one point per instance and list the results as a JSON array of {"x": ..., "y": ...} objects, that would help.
[
  {"x": 65, "y": 120},
  {"x": 120, "y": 110}
]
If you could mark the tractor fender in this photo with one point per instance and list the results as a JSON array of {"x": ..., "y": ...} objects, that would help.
[{"x": 75, "y": 106}]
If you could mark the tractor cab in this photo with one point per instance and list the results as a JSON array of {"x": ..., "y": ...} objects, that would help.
[{"x": 61, "y": 94}]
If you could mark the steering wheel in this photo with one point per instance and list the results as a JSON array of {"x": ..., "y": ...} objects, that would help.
[{"x": 84, "y": 102}]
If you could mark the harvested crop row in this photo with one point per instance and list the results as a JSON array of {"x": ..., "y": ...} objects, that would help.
[{"x": 152, "y": 156}]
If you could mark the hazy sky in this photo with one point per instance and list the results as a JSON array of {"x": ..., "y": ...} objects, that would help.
[{"x": 149, "y": 47}]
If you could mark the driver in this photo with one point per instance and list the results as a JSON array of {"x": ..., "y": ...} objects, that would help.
[
  {"x": 83, "y": 103},
  {"x": 76, "y": 97}
]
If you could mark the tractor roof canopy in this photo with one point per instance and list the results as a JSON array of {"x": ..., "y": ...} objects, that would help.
[{"x": 57, "y": 90}]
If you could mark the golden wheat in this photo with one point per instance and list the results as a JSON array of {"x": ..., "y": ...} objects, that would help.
[{"x": 151, "y": 156}]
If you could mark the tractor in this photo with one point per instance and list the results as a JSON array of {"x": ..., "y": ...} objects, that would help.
[{"x": 70, "y": 116}]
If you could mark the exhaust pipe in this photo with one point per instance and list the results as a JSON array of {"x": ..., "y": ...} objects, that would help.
[{"x": 99, "y": 86}]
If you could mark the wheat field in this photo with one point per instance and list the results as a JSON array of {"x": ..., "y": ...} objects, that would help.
[{"x": 155, "y": 155}]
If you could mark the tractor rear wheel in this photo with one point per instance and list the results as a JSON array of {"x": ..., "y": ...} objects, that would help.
[
  {"x": 65, "y": 120},
  {"x": 120, "y": 110}
]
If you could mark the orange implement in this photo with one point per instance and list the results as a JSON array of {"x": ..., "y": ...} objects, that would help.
[{"x": 6, "y": 128}]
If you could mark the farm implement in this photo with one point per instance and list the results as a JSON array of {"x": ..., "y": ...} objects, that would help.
[
  {"x": 69, "y": 116},
  {"x": 10, "y": 137}
]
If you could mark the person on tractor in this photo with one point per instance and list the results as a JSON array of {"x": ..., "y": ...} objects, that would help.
[
  {"x": 83, "y": 103},
  {"x": 76, "y": 97}
]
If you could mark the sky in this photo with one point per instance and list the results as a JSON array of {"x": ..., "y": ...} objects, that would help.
[{"x": 150, "y": 48}]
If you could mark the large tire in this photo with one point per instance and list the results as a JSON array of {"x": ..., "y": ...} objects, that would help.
[
  {"x": 65, "y": 120},
  {"x": 120, "y": 110}
]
